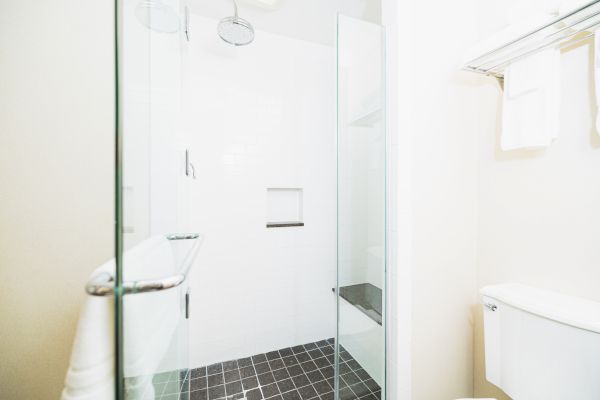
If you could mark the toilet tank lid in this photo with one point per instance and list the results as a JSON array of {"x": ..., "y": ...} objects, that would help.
[{"x": 574, "y": 311}]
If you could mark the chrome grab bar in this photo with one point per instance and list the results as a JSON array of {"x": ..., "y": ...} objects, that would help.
[{"x": 103, "y": 284}]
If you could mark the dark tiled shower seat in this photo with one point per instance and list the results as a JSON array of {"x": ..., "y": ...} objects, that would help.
[{"x": 304, "y": 372}]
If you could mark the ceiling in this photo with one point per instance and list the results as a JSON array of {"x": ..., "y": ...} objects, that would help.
[{"x": 311, "y": 20}]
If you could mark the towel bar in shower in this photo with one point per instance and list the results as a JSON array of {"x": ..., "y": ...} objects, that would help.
[{"x": 103, "y": 284}]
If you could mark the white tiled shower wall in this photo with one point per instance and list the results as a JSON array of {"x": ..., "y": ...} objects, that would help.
[{"x": 259, "y": 117}]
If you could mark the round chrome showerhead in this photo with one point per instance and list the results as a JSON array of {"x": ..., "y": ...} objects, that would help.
[{"x": 235, "y": 30}]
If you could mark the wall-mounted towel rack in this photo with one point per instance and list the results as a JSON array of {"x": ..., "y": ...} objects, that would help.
[{"x": 567, "y": 29}]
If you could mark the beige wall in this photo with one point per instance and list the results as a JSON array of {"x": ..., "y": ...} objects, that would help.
[
  {"x": 56, "y": 175},
  {"x": 539, "y": 211}
]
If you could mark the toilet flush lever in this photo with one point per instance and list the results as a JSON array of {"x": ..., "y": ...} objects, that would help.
[{"x": 490, "y": 306}]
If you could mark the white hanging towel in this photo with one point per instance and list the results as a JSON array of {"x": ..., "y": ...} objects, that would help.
[
  {"x": 531, "y": 109},
  {"x": 597, "y": 77}
]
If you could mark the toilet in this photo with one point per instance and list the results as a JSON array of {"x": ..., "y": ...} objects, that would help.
[{"x": 540, "y": 344}]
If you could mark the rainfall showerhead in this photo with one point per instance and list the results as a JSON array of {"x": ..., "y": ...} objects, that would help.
[{"x": 235, "y": 30}]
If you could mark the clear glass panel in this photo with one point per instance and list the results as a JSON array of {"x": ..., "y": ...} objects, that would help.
[
  {"x": 360, "y": 359},
  {"x": 156, "y": 258}
]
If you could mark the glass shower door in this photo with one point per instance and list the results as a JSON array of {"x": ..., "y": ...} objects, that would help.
[
  {"x": 361, "y": 280},
  {"x": 155, "y": 252}
]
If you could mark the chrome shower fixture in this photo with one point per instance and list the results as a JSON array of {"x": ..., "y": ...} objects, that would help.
[{"x": 235, "y": 30}]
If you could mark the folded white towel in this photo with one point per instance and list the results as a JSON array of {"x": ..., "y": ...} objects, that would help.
[
  {"x": 597, "y": 77},
  {"x": 531, "y": 101},
  {"x": 150, "y": 321}
]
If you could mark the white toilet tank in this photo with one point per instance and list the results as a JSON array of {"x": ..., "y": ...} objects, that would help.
[{"x": 541, "y": 344}]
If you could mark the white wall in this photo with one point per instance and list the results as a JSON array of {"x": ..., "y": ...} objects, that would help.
[
  {"x": 539, "y": 219},
  {"x": 56, "y": 174},
  {"x": 259, "y": 116}
]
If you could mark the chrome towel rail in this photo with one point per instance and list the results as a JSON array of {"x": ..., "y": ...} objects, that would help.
[{"x": 103, "y": 284}]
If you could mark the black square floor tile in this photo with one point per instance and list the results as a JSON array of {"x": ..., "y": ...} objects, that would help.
[
  {"x": 328, "y": 372},
  {"x": 310, "y": 346},
  {"x": 216, "y": 392},
  {"x": 322, "y": 387},
  {"x": 345, "y": 356},
  {"x": 262, "y": 368},
  {"x": 350, "y": 378},
  {"x": 229, "y": 365},
  {"x": 353, "y": 364},
  {"x": 244, "y": 362},
  {"x": 303, "y": 357},
  {"x": 327, "y": 350},
  {"x": 316, "y": 353},
  {"x": 198, "y": 372},
  {"x": 214, "y": 369},
  {"x": 328, "y": 396},
  {"x": 199, "y": 395},
  {"x": 321, "y": 362},
  {"x": 232, "y": 376},
  {"x": 301, "y": 380},
  {"x": 265, "y": 379},
  {"x": 286, "y": 385},
  {"x": 281, "y": 374},
  {"x": 290, "y": 360},
  {"x": 270, "y": 390},
  {"x": 360, "y": 389},
  {"x": 198, "y": 383},
  {"x": 215, "y": 380},
  {"x": 250, "y": 383},
  {"x": 362, "y": 374},
  {"x": 331, "y": 341},
  {"x": 233, "y": 388},
  {"x": 293, "y": 395},
  {"x": 259, "y": 358},
  {"x": 377, "y": 394},
  {"x": 370, "y": 396},
  {"x": 254, "y": 394},
  {"x": 347, "y": 394},
  {"x": 286, "y": 352},
  {"x": 298, "y": 349},
  {"x": 247, "y": 372},
  {"x": 276, "y": 364},
  {"x": 308, "y": 366},
  {"x": 295, "y": 370},
  {"x": 272, "y": 355},
  {"x": 344, "y": 368},
  {"x": 278, "y": 397},
  {"x": 315, "y": 376},
  {"x": 372, "y": 385},
  {"x": 307, "y": 392},
  {"x": 322, "y": 343}
]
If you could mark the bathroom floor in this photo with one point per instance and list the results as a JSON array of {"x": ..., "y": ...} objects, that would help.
[{"x": 296, "y": 373}]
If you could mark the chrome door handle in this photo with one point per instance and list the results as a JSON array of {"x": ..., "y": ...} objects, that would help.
[
  {"x": 490, "y": 306},
  {"x": 104, "y": 285}
]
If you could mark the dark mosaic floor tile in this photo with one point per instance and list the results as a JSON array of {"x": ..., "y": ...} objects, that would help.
[
  {"x": 265, "y": 379},
  {"x": 295, "y": 370},
  {"x": 372, "y": 385},
  {"x": 351, "y": 378},
  {"x": 342, "y": 348},
  {"x": 330, "y": 358},
  {"x": 307, "y": 392},
  {"x": 328, "y": 396},
  {"x": 362, "y": 374},
  {"x": 298, "y": 349},
  {"x": 328, "y": 372},
  {"x": 247, "y": 372},
  {"x": 286, "y": 352},
  {"x": 198, "y": 372},
  {"x": 276, "y": 364},
  {"x": 316, "y": 353},
  {"x": 262, "y": 368},
  {"x": 259, "y": 358},
  {"x": 233, "y": 388},
  {"x": 301, "y": 380},
  {"x": 315, "y": 376},
  {"x": 244, "y": 362},
  {"x": 322, "y": 362},
  {"x": 272, "y": 355},
  {"x": 345, "y": 356},
  {"x": 327, "y": 350},
  {"x": 237, "y": 396},
  {"x": 214, "y": 368},
  {"x": 229, "y": 365},
  {"x": 199, "y": 395},
  {"x": 293, "y": 395},
  {"x": 290, "y": 360},
  {"x": 308, "y": 366},
  {"x": 286, "y": 385},
  {"x": 310, "y": 346},
  {"x": 331, "y": 340},
  {"x": 198, "y": 383},
  {"x": 250, "y": 383},
  {"x": 281, "y": 374},
  {"x": 232, "y": 376},
  {"x": 278, "y": 397},
  {"x": 254, "y": 394},
  {"x": 342, "y": 383},
  {"x": 369, "y": 396},
  {"x": 215, "y": 380},
  {"x": 270, "y": 390},
  {"x": 322, "y": 387},
  {"x": 353, "y": 364},
  {"x": 344, "y": 368},
  {"x": 216, "y": 392},
  {"x": 347, "y": 394},
  {"x": 377, "y": 394},
  {"x": 303, "y": 357},
  {"x": 322, "y": 343},
  {"x": 360, "y": 389}
]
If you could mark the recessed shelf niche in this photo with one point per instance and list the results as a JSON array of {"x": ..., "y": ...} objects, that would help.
[{"x": 284, "y": 207}]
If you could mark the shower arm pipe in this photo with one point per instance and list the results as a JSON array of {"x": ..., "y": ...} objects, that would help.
[{"x": 235, "y": 9}]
